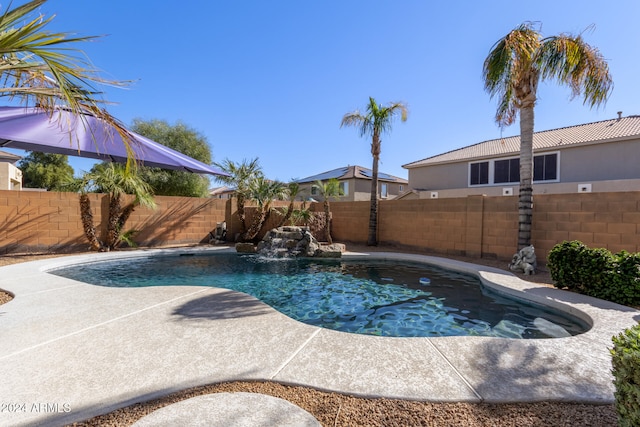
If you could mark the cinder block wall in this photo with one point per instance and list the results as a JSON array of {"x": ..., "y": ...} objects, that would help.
[
  {"x": 431, "y": 224},
  {"x": 475, "y": 226},
  {"x": 602, "y": 220},
  {"x": 488, "y": 226},
  {"x": 50, "y": 221}
]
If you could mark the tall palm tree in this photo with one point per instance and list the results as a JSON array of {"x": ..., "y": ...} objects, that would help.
[
  {"x": 240, "y": 176},
  {"x": 512, "y": 70},
  {"x": 328, "y": 189},
  {"x": 376, "y": 121},
  {"x": 263, "y": 192},
  {"x": 47, "y": 70}
]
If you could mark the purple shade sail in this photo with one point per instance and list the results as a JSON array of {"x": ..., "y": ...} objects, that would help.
[{"x": 64, "y": 132}]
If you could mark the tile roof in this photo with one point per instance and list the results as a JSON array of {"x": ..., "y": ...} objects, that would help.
[
  {"x": 590, "y": 133},
  {"x": 8, "y": 157},
  {"x": 351, "y": 172}
]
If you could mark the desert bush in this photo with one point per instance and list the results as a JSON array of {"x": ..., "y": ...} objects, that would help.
[{"x": 625, "y": 359}]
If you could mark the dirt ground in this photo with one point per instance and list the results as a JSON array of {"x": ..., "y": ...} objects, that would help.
[{"x": 333, "y": 409}]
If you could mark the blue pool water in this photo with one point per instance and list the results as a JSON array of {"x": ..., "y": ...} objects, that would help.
[{"x": 400, "y": 299}]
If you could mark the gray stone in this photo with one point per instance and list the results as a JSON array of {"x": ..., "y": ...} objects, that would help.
[
  {"x": 246, "y": 248},
  {"x": 294, "y": 241},
  {"x": 230, "y": 409}
]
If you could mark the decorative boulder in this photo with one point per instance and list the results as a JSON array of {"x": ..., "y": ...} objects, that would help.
[{"x": 330, "y": 251}]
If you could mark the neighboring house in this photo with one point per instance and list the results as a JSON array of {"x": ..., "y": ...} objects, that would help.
[
  {"x": 222, "y": 192},
  {"x": 599, "y": 157},
  {"x": 10, "y": 175},
  {"x": 355, "y": 182}
]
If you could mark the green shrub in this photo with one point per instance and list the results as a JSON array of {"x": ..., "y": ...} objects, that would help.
[
  {"x": 626, "y": 280},
  {"x": 596, "y": 272},
  {"x": 561, "y": 263},
  {"x": 626, "y": 372}
]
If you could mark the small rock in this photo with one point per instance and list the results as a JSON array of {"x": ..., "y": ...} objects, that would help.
[{"x": 246, "y": 248}]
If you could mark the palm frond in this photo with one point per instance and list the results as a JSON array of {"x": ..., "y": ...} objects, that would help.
[
  {"x": 509, "y": 66},
  {"x": 571, "y": 61},
  {"x": 45, "y": 67}
]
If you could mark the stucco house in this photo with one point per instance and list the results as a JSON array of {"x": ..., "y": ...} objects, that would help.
[
  {"x": 10, "y": 175},
  {"x": 355, "y": 182},
  {"x": 593, "y": 157},
  {"x": 223, "y": 192}
]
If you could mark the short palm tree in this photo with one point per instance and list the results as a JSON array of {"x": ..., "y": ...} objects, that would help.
[
  {"x": 240, "y": 175},
  {"x": 115, "y": 180},
  {"x": 301, "y": 216},
  {"x": 376, "y": 121},
  {"x": 328, "y": 189},
  {"x": 263, "y": 192},
  {"x": 292, "y": 190},
  {"x": 512, "y": 70}
]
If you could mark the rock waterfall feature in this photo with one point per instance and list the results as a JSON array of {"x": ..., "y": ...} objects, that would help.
[{"x": 292, "y": 241}]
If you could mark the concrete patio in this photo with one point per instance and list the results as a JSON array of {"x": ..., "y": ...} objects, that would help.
[{"x": 72, "y": 350}]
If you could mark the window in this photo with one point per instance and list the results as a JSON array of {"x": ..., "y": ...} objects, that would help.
[
  {"x": 479, "y": 173},
  {"x": 384, "y": 191},
  {"x": 314, "y": 190},
  {"x": 344, "y": 188},
  {"x": 506, "y": 171},
  {"x": 401, "y": 188},
  {"x": 545, "y": 168}
]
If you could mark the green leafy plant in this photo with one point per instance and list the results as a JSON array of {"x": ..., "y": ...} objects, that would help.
[
  {"x": 127, "y": 238},
  {"x": 561, "y": 261},
  {"x": 596, "y": 272},
  {"x": 625, "y": 359},
  {"x": 301, "y": 216}
]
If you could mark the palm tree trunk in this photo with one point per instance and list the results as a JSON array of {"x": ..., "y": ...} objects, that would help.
[
  {"x": 115, "y": 211},
  {"x": 327, "y": 221},
  {"x": 525, "y": 202},
  {"x": 255, "y": 227},
  {"x": 241, "y": 214},
  {"x": 122, "y": 220},
  {"x": 372, "y": 239},
  {"x": 287, "y": 215},
  {"x": 86, "y": 217}
]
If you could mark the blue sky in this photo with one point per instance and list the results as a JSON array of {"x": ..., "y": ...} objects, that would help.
[{"x": 273, "y": 79}]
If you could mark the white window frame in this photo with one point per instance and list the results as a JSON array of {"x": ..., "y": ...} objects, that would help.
[
  {"x": 545, "y": 181},
  {"x": 469, "y": 173},
  {"x": 492, "y": 162},
  {"x": 384, "y": 190}
]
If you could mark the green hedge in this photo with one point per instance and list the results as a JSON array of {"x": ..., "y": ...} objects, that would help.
[
  {"x": 626, "y": 372},
  {"x": 596, "y": 272}
]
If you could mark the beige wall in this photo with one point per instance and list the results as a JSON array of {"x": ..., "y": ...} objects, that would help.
[
  {"x": 10, "y": 177},
  {"x": 611, "y": 166},
  {"x": 555, "y": 188},
  {"x": 487, "y": 226},
  {"x": 359, "y": 190},
  {"x": 50, "y": 221},
  {"x": 479, "y": 226}
]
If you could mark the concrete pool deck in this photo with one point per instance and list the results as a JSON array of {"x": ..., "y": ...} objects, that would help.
[{"x": 71, "y": 350}]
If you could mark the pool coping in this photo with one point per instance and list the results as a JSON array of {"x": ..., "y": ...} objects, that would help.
[{"x": 63, "y": 338}]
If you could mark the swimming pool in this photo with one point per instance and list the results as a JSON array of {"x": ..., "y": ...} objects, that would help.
[{"x": 371, "y": 297}]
